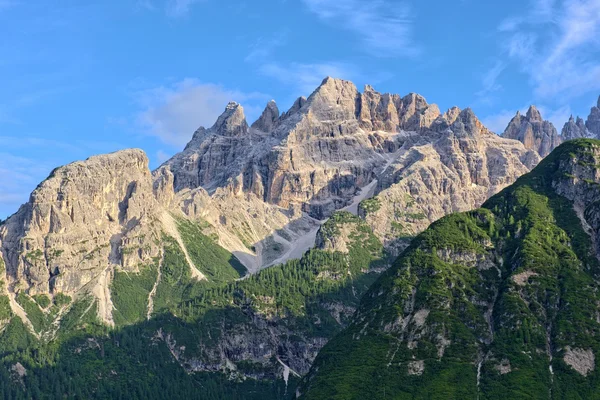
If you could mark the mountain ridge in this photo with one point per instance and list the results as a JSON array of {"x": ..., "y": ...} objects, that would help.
[{"x": 495, "y": 302}]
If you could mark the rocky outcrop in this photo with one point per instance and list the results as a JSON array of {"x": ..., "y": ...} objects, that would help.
[
  {"x": 77, "y": 222},
  {"x": 317, "y": 157},
  {"x": 593, "y": 120},
  {"x": 533, "y": 131},
  {"x": 268, "y": 119},
  {"x": 574, "y": 129},
  {"x": 457, "y": 170},
  {"x": 390, "y": 113},
  {"x": 86, "y": 219}
]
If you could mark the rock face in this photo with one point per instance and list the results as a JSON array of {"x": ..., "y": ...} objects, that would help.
[
  {"x": 492, "y": 303},
  {"x": 457, "y": 169},
  {"x": 78, "y": 220},
  {"x": 82, "y": 222},
  {"x": 593, "y": 120},
  {"x": 533, "y": 131},
  {"x": 333, "y": 148},
  {"x": 268, "y": 120},
  {"x": 575, "y": 129}
]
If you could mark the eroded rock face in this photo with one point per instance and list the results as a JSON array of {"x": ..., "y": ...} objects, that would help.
[
  {"x": 78, "y": 221},
  {"x": 533, "y": 131},
  {"x": 593, "y": 120},
  {"x": 314, "y": 157},
  {"x": 457, "y": 170},
  {"x": 268, "y": 119},
  {"x": 575, "y": 129},
  {"x": 317, "y": 157}
]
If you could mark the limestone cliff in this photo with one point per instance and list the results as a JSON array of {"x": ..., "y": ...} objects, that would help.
[{"x": 330, "y": 151}]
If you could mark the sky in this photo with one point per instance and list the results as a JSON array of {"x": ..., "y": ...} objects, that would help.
[{"x": 83, "y": 77}]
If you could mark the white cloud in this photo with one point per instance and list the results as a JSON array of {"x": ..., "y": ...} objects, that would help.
[
  {"x": 384, "y": 26},
  {"x": 489, "y": 82},
  {"x": 173, "y": 113},
  {"x": 307, "y": 77},
  {"x": 557, "y": 45}
]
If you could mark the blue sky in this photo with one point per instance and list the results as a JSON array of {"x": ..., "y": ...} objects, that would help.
[{"x": 81, "y": 77}]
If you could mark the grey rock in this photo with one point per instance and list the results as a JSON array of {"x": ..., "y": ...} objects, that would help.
[
  {"x": 533, "y": 131},
  {"x": 268, "y": 119},
  {"x": 593, "y": 120},
  {"x": 574, "y": 129}
]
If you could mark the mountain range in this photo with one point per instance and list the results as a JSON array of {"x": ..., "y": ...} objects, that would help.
[{"x": 225, "y": 272}]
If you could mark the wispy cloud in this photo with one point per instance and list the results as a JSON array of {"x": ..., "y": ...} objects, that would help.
[
  {"x": 162, "y": 156},
  {"x": 498, "y": 122},
  {"x": 489, "y": 82},
  {"x": 307, "y": 77},
  {"x": 179, "y": 8},
  {"x": 558, "y": 116},
  {"x": 172, "y": 8},
  {"x": 172, "y": 113},
  {"x": 20, "y": 175},
  {"x": 263, "y": 48},
  {"x": 385, "y": 27},
  {"x": 557, "y": 45}
]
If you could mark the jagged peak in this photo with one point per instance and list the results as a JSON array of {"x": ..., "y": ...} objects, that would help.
[
  {"x": 334, "y": 85},
  {"x": 414, "y": 97},
  {"x": 232, "y": 122},
  {"x": 298, "y": 104},
  {"x": 268, "y": 119},
  {"x": 466, "y": 123},
  {"x": 333, "y": 99},
  {"x": 533, "y": 114},
  {"x": 598, "y": 103}
]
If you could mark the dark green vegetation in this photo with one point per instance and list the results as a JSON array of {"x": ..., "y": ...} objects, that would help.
[
  {"x": 287, "y": 309},
  {"x": 490, "y": 304}
]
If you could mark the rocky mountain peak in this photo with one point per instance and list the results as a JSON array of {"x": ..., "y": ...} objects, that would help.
[
  {"x": 298, "y": 104},
  {"x": 574, "y": 129},
  {"x": 533, "y": 131},
  {"x": 232, "y": 122},
  {"x": 268, "y": 119},
  {"x": 533, "y": 114},
  {"x": 466, "y": 123},
  {"x": 334, "y": 99},
  {"x": 77, "y": 221},
  {"x": 593, "y": 121},
  {"x": 445, "y": 120}
]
